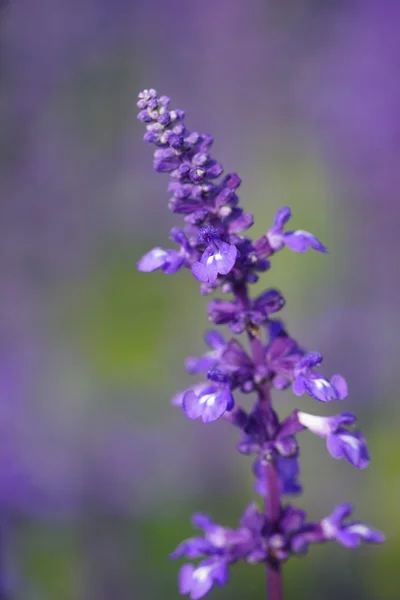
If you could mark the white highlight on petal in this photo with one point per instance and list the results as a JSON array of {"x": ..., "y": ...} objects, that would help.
[
  {"x": 214, "y": 257},
  {"x": 208, "y": 399},
  {"x": 359, "y": 528},
  {"x": 318, "y": 425},
  {"x": 275, "y": 240},
  {"x": 201, "y": 574},
  {"x": 328, "y": 529},
  {"x": 321, "y": 383},
  {"x": 351, "y": 441},
  {"x": 158, "y": 253}
]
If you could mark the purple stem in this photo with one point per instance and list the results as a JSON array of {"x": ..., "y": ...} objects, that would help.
[
  {"x": 272, "y": 506},
  {"x": 272, "y": 500}
]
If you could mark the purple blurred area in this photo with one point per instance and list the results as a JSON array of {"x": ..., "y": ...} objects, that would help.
[{"x": 98, "y": 473}]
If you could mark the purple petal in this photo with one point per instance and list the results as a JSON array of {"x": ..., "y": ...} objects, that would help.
[
  {"x": 251, "y": 518},
  {"x": 311, "y": 359},
  {"x": 179, "y": 237},
  {"x": 269, "y": 302},
  {"x": 220, "y": 574},
  {"x": 234, "y": 357},
  {"x": 225, "y": 258},
  {"x": 334, "y": 446},
  {"x": 215, "y": 340},
  {"x": 221, "y": 312},
  {"x": 202, "y": 521},
  {"x": 348, "y": 539},
  {"x": 340, "y": 385},
  {"x": 291, "y": 424},
  {"x": 288, "y": 469},
  {"x": 173, "y": 262},
  {"x": 319, "y": 388},
  {"x": 281, "y": 217},
  {"x": 194, "y": 364},
  {"x": 292, "y": 519},
  {"x": 366, "y": 533},
  {"x": 191, "y": 405},
  {"x": 325, "y": 426},
  {"x": 165, "y": 160},
  {"x": 280, "y": 347},
  {"x": 350, "y": 445},
  {"x": 280, "y": 382},
  {"x": 153, "y": 260},
  {"x": 192, "y": 548},
  {"x": 298, "y": 386},
  {"x": 240, "y": 223},
  {"x": 204, "y": 274},
  {"x": 177, "y": 400},
  {"x": 215, "y": 405},
  {"x": 202, "y": 581},
  {"x": 301, "y": 241},
  {"x": 342, "y": 511},
  {"x": 185, "y": 579},
  {"x": 287, "y": 446},
  {"x": 355, "y": 449}
]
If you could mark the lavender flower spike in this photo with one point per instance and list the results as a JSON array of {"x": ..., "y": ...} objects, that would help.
[{"x": 212, "y": 246}]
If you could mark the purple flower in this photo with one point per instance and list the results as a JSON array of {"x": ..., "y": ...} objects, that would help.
[
  {"x": 198, "y": 581},
  {"x": 227, "y": 357},
  {"x": 211, "y": 359},
  {"x": 282, "y": 355},
  {"x": 209, "y": 404},
  {"x": 339, "y": 441},
  {"x": 225, "y": 312},
  {"x": 218, "y": 258},
  {"x": 315, "y": 384},
  {"x": 222, "y": 546},
  {"x": 170, "y": 261},
  {"x": 268, "y": 302},
  {"x": 212, "y": 245},
  {"x": 275, "y": 238},
  {"x": 349, "y": 534}
]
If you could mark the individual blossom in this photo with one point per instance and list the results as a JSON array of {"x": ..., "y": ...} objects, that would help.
[
  {"x": 169, "y": 261},
  {"x": 335, "y": 528},
  {"x": 212, "y": 401},
  {"x": 281, "y": 357},
  {"x": 262, "y": 436},
  {"x": 221, "y": 546},
  {"x": 307, "y": 380},
  {"x": 218, "y": 257},
  {"x": 229, "y": 358},
  {"x": 237, "y": 317},
  {"x": 209, "y": 360},
  {"x": 340, "y": 442},
  {"x": 275, "y": 238},
  {"x": 350, "y": 533}
]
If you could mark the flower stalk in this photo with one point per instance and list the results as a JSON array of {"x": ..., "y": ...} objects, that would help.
[{"x": 213, "y": 247}]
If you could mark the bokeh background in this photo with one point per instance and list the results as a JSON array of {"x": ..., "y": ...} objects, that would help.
[{"x": 98, "y": 473}]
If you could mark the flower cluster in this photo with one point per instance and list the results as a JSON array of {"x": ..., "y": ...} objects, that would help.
[
  {"x": 258, "y": 539},
  {"x": 212, "y": 246}
]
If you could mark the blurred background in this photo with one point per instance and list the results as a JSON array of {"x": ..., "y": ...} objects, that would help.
[{"x": 98, "y": 473}]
